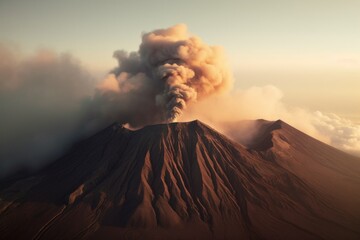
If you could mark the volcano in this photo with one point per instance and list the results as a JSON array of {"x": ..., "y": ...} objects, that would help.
[{"x": 188, "y": 181}]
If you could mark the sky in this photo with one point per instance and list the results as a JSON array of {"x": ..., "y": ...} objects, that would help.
[
  {"x": 306, "y": 48},
  {"x": 305, "y": 55}
]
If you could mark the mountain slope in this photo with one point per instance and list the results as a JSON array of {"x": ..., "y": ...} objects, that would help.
[
  {"x": 329, "y": 171},
  {"x": 185, "y": 180}
]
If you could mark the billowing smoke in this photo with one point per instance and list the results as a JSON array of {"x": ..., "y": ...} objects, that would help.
[{"x": 171, "y": 70}]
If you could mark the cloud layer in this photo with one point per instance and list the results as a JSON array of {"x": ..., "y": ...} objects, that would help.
[{"x": 341, "y": 132}]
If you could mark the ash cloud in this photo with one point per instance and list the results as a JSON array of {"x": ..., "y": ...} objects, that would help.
[{"x": 171, "y": 70}]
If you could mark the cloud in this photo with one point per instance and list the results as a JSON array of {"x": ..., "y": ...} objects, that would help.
[
  {"x": 341, "y": 132},
  {"x": 41, "y": 102}
]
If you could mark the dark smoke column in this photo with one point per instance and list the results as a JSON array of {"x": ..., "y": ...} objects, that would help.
[{"x": 173, "y": 68}]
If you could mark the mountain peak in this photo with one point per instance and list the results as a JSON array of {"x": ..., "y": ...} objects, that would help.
[
  {"x": 194, "y": 126},
  {"x": 185, "y": 180},
  {"x": 193, "y": 123}
]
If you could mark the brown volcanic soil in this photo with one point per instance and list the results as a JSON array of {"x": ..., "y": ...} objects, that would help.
[{"x": 186, "y": 181}]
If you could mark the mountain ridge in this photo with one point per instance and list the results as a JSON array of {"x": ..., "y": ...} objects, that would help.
[{"x": 181, "y": 180}]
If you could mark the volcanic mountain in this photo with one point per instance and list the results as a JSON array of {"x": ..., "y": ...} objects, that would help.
[{"x": 187, "y": 181}]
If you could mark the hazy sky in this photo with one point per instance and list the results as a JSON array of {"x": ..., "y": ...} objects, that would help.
[{"x": 308, "y": 49}]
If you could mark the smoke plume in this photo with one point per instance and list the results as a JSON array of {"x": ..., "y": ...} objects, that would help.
[{"x": 171, "y": 70}]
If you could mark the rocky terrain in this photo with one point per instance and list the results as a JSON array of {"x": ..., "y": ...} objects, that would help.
[{"x": 188, "y": 181}]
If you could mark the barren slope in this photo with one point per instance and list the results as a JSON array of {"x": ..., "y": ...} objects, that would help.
[{"x": 185, "y": 180}]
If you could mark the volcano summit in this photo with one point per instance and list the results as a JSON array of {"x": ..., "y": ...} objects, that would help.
[{"x": 187, "y": 181}]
